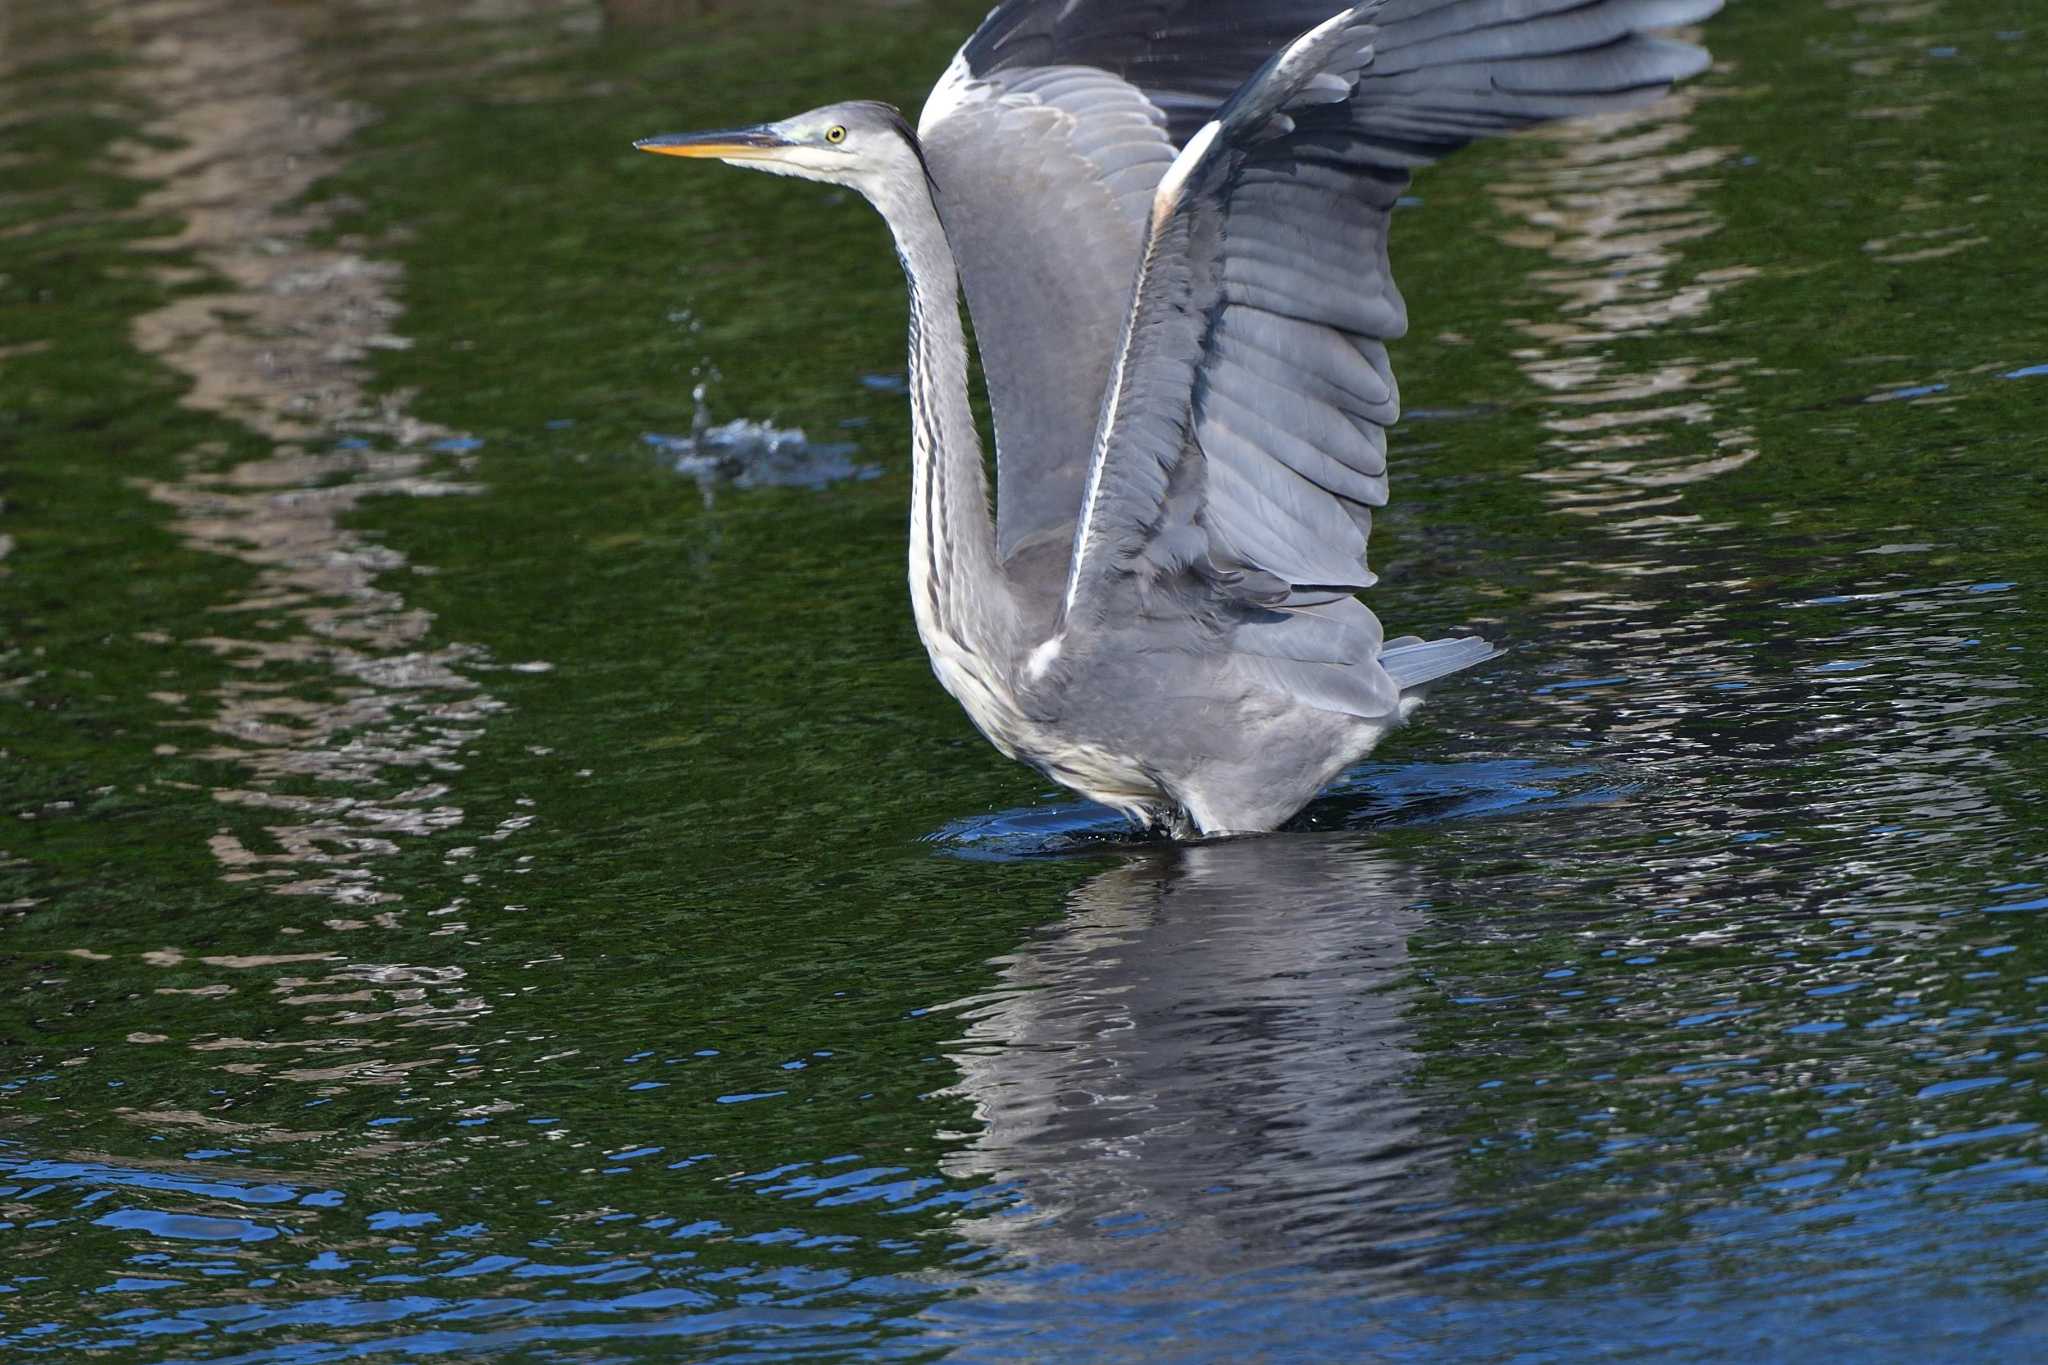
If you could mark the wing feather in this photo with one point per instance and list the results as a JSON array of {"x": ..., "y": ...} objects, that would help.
[
  {"x": 1242, "y": 445},
  {"x": 1044, "y": 179},
  {"x": 1343, "y": 459},
  {"x": 1052, "y": 132}
]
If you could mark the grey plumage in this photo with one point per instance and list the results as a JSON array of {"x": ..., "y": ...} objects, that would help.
[
  {"x": 1170, "y": 218},
  {"x": 1048, "y": 178}
]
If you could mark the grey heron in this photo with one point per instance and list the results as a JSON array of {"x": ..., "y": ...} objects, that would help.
[{"x": 1170, "y": 218}]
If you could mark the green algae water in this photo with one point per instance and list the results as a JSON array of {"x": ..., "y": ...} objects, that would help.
[{"x": 478, "y": 880}]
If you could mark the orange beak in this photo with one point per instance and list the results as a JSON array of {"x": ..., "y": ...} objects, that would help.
[{"x": 737, "y": 144}]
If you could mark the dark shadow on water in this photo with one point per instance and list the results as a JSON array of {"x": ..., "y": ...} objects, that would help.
[{"x": 1370, "y": 796}]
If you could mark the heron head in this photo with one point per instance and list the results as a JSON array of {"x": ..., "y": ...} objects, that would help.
[{"x": 861, "y": 144}]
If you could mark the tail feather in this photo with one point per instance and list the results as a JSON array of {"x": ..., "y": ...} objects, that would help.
[{"x": 1412, "y": 663}]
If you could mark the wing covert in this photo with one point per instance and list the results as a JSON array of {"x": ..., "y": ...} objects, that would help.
[
  {"x": 1046, "y": 138},
  {"x": 1243, "y": 443},
  {"x": 1043, "y": 177}
]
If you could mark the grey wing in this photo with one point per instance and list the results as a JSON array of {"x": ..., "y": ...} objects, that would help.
[
  {"x": 1045, "y": 139},
  {"x": 1243, "y": 443},
  {"x": 1044, "y": 176},
  {"x": 1189, "y": 56}
]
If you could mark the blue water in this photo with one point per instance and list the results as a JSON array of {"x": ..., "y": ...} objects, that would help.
[{"x": 482, "y": 882}]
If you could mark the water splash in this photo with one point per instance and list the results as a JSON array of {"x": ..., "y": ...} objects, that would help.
[{"x": 751, "y": 454}]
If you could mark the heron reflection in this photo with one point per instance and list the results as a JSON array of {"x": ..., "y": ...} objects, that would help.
[{"x": 1203, "y": 1063}]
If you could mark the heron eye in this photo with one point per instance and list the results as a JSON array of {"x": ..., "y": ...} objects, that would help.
[{"x": 835, "y": 134}]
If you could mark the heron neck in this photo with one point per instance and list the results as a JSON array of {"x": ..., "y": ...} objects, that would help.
[{"x": 959, "y": 593}]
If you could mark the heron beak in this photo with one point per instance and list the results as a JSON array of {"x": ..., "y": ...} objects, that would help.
[{"x": 736, "y": 144}]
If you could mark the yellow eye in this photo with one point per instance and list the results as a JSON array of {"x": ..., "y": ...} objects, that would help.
[{"x": 835, "y": 134}]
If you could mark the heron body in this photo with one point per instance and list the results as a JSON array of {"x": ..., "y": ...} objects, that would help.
[{"x": 1170, "y": 219}]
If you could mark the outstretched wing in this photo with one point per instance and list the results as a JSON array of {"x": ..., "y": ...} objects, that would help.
[
  {"x": 1243, "y": 441},
  {"x": 1046, "y": 138},
  {"x": 1187, "y": 56},
  {"x": 1044, "y": 177},
  {"x": 1057, "y": 119}
]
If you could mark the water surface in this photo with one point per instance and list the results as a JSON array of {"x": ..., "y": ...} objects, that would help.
[{"x": 473, "y": 890}]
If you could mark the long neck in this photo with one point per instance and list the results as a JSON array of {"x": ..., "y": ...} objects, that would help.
[{"x": 959, "y": 592}]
